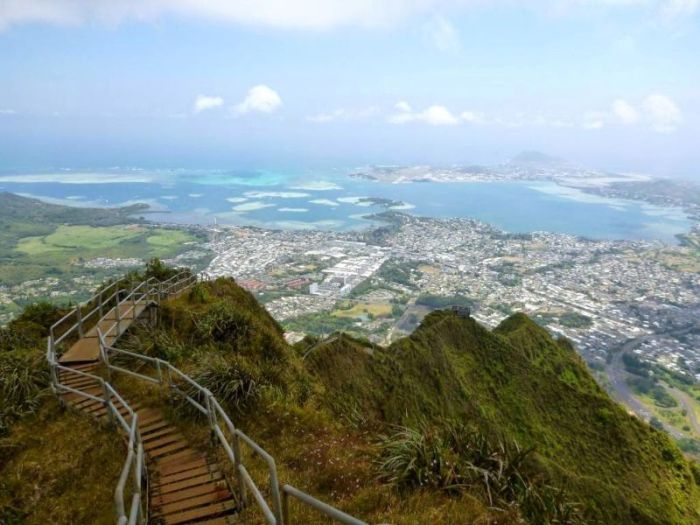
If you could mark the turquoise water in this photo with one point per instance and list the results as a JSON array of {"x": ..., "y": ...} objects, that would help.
[{"x": 331, "y": 200}]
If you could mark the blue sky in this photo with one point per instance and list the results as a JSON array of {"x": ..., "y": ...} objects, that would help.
[{"x": 211, "y": 83}]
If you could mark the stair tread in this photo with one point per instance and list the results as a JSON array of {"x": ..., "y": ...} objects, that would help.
[
  {"x": 191, "y": 503},
  {"x": 201, "y": 512},
  {"x": 192, "y": 482}
]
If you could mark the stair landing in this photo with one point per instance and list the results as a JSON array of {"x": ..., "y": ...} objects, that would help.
[{"x": 87, "y": 348}]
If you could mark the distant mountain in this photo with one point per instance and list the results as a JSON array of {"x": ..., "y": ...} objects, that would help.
[
  {"x": 29, "y": 210},
  {"x": 535, "y": 157}
]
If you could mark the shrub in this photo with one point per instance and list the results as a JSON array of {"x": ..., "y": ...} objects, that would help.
[
  {"x": 233, "y": 381},
  {"x": 23, "y": 380},
  {"x": 453, "y": 458}
]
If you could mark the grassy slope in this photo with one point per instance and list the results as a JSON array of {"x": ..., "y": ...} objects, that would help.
[
  {"x": 515, "y": 381},
  {"x": 60, "y": 468},
  {"x": 520, "y": 383}
]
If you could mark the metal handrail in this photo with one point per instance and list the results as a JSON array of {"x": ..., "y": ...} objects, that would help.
[
  {"x": 134, "y": 462},
  {"x": 279, "y": 513}
]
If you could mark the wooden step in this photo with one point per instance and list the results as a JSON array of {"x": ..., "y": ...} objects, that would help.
[
  {"x": 199, "y": 513},
  {"x": 169, "y": 449},
  {"x": 186, "y": 493},
  {"x": 163, "y": 431},
  {"x": 179, "y": 476},
  {"x": 180, "y": 466},
  {"x": 185, "y": 455},
  {"x": 192, "y": 503},
  {"x": 231, "y": 519},
  {"x": 164, "y": 440},
  {"x": 154, "y": 427},
  {"x": 192, "y": 482}
]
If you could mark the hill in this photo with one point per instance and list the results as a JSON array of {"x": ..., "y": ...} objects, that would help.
[
  {"x": 44, "y": 248},
  {"x": 453, "y": 424}
]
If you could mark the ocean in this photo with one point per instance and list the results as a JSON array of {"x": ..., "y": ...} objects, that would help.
[{"x": 332, "y": 200}]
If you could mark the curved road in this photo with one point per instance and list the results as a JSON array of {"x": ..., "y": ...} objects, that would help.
[{"x": 617, "y": 374}]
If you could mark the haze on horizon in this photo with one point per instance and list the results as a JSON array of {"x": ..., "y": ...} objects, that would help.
[{"x": 608, "y": 83}]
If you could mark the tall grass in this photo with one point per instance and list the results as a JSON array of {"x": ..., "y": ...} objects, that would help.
[
  {"x": 455, "y": 459},
  {"x": 23, "y": 380}
]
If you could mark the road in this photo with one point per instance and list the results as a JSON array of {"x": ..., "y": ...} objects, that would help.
[{"x": 617, "y": 374}]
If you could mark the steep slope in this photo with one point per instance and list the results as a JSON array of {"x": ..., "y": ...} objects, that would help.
[{"x": 519, "y": 383}]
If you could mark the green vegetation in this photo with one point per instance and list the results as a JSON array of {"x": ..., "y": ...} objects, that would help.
[
  {"x": 453, "y": 424},
  {"x": 454, "y": 458},
  {"x": 59, "y": 467},
  {"x": 437, "y": 302},
  {"x": 649, "y": 387},
  {"x": 360, "y": 310},
  {"x": 400, "y": 272},
  {"x": 39, "y": 241},
  {"x": 319, "y": 324},
  {"x": 518, "y": 384}
]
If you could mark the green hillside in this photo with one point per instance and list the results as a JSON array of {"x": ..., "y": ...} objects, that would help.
[
  {"x": 518, "y": 382},
  {"x": 453, "y": 424}
]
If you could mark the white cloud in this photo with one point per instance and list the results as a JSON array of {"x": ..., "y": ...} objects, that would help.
[
  {"x": 344, "y": 114},
  {"x": 259, "y": 99},
  {"x": 662, "y": 113},
  {"x": 300, "y": 14},
  {"x": 625, "y": 112},
  {"x": 204, "y": 102},
  {"x": 433, "y": 115},
  {"x": 441, "y": 34},
  {"x": 402, "y": 105},
  {"x": 7, "y": 111}
]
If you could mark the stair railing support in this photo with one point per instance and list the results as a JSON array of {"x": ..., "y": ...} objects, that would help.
[
  {"x": 79, "y": 315},
  {"x": 107, "y": 402}
]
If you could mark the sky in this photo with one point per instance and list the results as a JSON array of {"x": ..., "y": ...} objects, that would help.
[{"x": 612, "y": 84}]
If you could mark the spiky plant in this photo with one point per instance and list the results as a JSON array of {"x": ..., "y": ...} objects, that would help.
[{"x": 233, "y": 380}]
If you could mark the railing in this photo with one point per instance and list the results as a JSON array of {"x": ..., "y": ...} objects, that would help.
[
  {"x": 114, "y": 298},
  {"x": 134, "y": 465},
  {"x": 220, "y": 424}
]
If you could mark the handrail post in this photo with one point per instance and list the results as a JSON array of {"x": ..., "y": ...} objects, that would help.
[
  {"x": 285, "y": 507},
  {"x": 79, "y": 314},
  {"x": 275, "y": 489},
  {"x": 117, "y": 309},
  {"x": 243, "y": 493},
  {"x": 101, "y": 305},
  {"x": 107, "y": 402}
]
